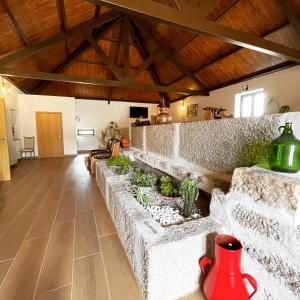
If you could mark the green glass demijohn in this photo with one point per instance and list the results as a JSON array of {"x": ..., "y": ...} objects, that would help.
[{"x": 285, "y": 151}]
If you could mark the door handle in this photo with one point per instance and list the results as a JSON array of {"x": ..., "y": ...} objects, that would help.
[{"x": 2, "y": 139}]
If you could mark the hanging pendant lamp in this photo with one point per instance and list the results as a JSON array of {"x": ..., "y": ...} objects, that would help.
[{"x": 163, "y": 116}]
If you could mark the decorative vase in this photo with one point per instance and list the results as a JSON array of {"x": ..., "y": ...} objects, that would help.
[
  {"x": 224, "y": 280},
  {"x": 125, "y": 142},
  {"x": 285, "y": 151}
]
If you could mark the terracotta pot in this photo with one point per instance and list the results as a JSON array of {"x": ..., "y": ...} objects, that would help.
[
  {"x": 208, "y": 115},
  {"x": 224, "y": 280},
  {"x": 125, "y": 142}
]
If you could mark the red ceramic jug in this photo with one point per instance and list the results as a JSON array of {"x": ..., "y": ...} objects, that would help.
[{"x": 224, "y": 280}]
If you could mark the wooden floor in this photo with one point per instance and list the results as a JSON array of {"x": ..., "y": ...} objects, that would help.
[{"x": 57, "y": 240}]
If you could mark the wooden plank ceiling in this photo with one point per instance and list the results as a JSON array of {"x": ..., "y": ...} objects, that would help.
[{"x": 103, "y": 50}]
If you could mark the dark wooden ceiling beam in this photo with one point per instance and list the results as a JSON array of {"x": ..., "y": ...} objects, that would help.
[
  {"x": 150, "y": 101},
  {"x": 14, "y": 23},
  {"x": 75, "y": 54},
  {"x": 126, "y": 50},
  {"x": 289, "y": 6},
  {"x": 144, "y": 54},
  {"x": 97, "y": 11},
  {"x": 147, "y": 62},
  {"x": 110, "y": 92},
  {"x": 95, "y": 81},
  {"x": 168, "y": 53},
  {"x": 195, "y": 10},
  {"x": 60, "y": 37},
  {"x": 193, "y": 36},
  {"x": 168, "y": 15},
  {"x": 103, "y": 56},
  {"x": 60, "y": 4},
  {"x": 220, "y": 58}
]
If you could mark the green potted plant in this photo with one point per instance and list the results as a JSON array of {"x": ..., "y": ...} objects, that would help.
[
  {"x": 189, "y": 190},
  {"x": 168, "y": 187},
  {"x": 143, "y": 197},
  {"x": 120, "y": 163},
  {"x": 143, "y": 178}
]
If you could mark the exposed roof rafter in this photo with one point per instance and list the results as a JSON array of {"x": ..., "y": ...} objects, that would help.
[
  {"x": 168, "y": 53},
  {"x": 95, "y": 81},
  {"x": 60, "y": 37},
  {"x": 72, "y": 57},
  {"x": 289, "y": 8},
  {"x": 144, "y": 54},
  {"x": 168, "y": 15}
]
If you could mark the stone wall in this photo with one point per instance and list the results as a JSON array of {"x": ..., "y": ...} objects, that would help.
[
  {"x": 217, "y": 145},
  {"x": 262, "y": 210}
]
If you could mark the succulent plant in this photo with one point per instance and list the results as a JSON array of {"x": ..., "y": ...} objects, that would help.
[
  {"x": 143, "y": 197},
  {"x": 168, "y": 186},
  {"x": 189, "y": 191},
  {"x": 144, "y": 178},
  {"x": 122, "y": 162}
]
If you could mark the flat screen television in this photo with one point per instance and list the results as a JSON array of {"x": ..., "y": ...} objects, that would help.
[{"x": 138, "y": 112}]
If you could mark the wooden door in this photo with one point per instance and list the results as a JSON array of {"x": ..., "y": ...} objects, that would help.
[
  {"x": 4, "y": 155},
  {"x": 49, "y": 134}
]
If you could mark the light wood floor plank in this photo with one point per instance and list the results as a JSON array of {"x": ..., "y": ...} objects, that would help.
[
  {"x": 36, "y": 201},
  {"x": 82, "y": 199},
  {"x": 104, "y": 222},
  {"x": 121, "y": 281},
  {"x": 3, "y": 227},
  {"x": 66, "y": 210},
  {"x": 89, "y": 279},
  {"x": 4, "y": 266},
  {"x": 96, "y": 195},
  {"x": 57, "y": 268},
  {"x": 44, "y": 221},
  {"x": 19, "y": 284},
  {"x": 63, "y": 293},
  {"x": 86, "y": 238},
  {"x": 80, "y": 181},
  {"x": 15, "y": 234}
]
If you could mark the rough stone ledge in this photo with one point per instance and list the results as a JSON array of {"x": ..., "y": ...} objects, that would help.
[
  {"x": 179, "y": 169},
  {"x": 161, "y": 141},
  {"x": 267, "y": 187}
]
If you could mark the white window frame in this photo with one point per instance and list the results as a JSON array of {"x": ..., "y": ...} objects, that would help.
[
  {"x": 238, "y": 111},
  {"x": 86, "y": 132}
]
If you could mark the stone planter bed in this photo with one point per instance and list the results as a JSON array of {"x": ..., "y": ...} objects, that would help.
[{"x": 164, "y": 260}]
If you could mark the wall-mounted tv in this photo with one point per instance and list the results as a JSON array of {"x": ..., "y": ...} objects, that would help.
[{"x": 138, "y": 112}]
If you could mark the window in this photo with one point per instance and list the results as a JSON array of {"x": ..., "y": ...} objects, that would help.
[
  {"x": 249, "y": 104},
  {"x": 86, "y": 132}
]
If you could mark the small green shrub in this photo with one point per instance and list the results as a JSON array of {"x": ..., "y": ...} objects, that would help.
[
  {"x": 122, "y": 162},
  {"x": 189, "y": 191},
  {"x": 168, "y": 186},
  {"x": 143, "y": 197},
  {"x": 144, "y": 178}
]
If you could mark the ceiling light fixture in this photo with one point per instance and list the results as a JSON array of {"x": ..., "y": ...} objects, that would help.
[
  {"x": 182, "y": 106},
  {"x": 5, "y": 87}
]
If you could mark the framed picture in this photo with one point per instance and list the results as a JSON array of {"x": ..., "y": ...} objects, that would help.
[{"x": 192, "y": 110}]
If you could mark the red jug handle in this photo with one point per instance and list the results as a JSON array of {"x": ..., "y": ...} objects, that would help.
[
  {"x": 204, "y": 261},
  {"x": 252, "y": 281}
]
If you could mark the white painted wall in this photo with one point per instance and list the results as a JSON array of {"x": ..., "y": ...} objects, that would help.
[
  {"x": 97, "y": 114},
  {"x": 282, "y": 87},
  {"x": 30, "y": 104},
  {"x": 12, "y": 119}
]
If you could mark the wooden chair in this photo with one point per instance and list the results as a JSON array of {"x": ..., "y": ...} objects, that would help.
[
  {"x": 93, "y": 159},
  {"x": 28, "y": 147}
]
